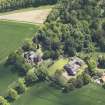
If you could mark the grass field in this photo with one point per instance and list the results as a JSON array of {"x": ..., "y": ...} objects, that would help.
[
  {"x": 57, "y": 66},
  {"x": 12, "y": 35},
  {"x": 42, "y": 94}
]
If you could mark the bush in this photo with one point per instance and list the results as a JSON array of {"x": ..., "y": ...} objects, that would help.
[
  {"x": 21, "y": 87},
  {"x": 78, "y": 83},
  {"x": 26, "y": 46},
  {"x": 18, "y": 63},
  {"x": 3, "y": 101},
  {"x": 55, "y": 55},
  {"x": 31, "y": 77},
  {"x": 92, "y": 64},
  {"x": 86, "y": 78},
  {"x": 12, "y": 94},
  {"x": 11, "y": 60},
  {"x": 42, "y": 73}
]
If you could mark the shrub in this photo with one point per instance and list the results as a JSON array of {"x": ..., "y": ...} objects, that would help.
[
  {"x": 18, "y": 63},
  {"x": 12, "y": 94},
  {"x": 55, "y": 55},
  {"x": 42, "y": 73},
  {"x": 3, "y": 101},
  {"x": 31, "y": 77},
  {"x": 11, "y": 59},
  {"x": 78, "y": 83},
  {"x": 86, "y": 78},
  {"x": 21, "y": 87},
  {"x": 26, "y": 46},
  {"x": 92, "y": 64}
]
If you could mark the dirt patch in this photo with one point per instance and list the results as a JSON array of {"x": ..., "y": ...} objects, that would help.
[{"x": 33, "y": 16}]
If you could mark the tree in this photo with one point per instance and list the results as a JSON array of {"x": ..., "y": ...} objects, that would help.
[
  {"x": 70, "y": 47},
  {"x": 8, "y": 5},
  {"x": 101, "y": 61},
  {"x": 71, "y": 51},
  {"x": 55, "y": 55},
  {"x": 86, "y": 78},
  {"x": 74, "y": 27},
  {"x": 12, "y": 94},
  {"x": 78, "y": 82},
  {"x": 23, "y": 68},
  {"x": 3, "y": 101},
  {"x": 47, "y": 54},
  {"x": 11, "y": 59},
  {"x": 31, "y": 77},
  {"x": 90, "y": 47},
  {"x": 102, "y": 44},
  {"x": 26, "y": 46},
  {"x": 21, "y": 87},
  {"x": 92, "y": 64},
  {"x": 68, "y": 87},
  {"x": 103, "y": 25},
  {"x": 18, "y": 63},
  {"x": 42, "y": 73}
]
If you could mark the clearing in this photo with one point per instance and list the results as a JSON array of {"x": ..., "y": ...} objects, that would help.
[
  {"x": 58, "y": 65},
  {"x": 12, "y": 34},
  {"x": 37, "y": 16}
]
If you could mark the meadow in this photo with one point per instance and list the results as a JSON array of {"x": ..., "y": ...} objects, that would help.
[
  {"x": 12, "y": 35},
  {"x": 58, "y": 65},
  {"x": 42, "y": 94}
]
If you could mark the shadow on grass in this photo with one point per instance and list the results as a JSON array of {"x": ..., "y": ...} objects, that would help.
[
  {"x": 6, "y": 77},
  {"x": 4, "y": 70}
]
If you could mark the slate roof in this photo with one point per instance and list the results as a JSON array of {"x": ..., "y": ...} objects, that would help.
[{"x": 73, "y": 66}]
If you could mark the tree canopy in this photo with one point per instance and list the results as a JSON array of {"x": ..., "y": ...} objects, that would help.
[{"x": 74, "y": 26}]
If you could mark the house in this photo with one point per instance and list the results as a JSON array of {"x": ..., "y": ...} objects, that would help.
[
  {"x": 70, "y": 69},
  {"x": 73, "y": 66},
  {"x": 32, "y": 58}
]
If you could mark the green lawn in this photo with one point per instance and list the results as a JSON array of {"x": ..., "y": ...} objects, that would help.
[
  {"x": 41, "y": 94},
  {"x": 12, "y": 35},
  {"x": 58, "y": 65}
]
